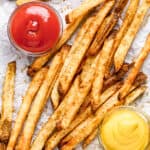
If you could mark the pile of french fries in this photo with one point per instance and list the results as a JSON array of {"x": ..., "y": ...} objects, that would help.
[{"x": 84, "y": 80}]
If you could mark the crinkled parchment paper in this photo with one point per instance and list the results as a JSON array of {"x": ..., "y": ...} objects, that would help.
[{"x": 7, "y": 54}]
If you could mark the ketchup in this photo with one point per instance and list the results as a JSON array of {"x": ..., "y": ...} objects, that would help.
[{"x": 35, "y": 27}]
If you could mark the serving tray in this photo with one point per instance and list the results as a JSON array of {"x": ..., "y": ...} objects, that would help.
[{"x": 7, "y": 54}]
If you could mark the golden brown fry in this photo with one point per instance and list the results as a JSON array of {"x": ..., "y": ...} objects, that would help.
[
  {"x": 136, "y": 68},
  {"x": 7, "y": 102},
  {"x": 80, "y": 91},
  {"x": 127, "y": 40},
  {"x": 74, "y": 99},
  {"x": 130, "y": 13},
  {"x": 102, "y": 33},
  {"x": 83, "y": 9},
  {"x": 57, "y": 136},
  {"x": 100, "y": 72},
  {"x": 87, "y": 126},
  {"x": 90, "y": 138},
  {"x": 135, "y": 94},
  {"x": 80, "y": 47},
  {"x": 106, "y": 27},
  {"x": 55, "y": 96},
  {"x": 38, "y": 104},
  {"x": 42, "y": 60},
  {"x": 117, "y": 77},
  {"x": 104, "y": 96},
  {"x": 20, "y": 2},
  {"x": 24, "y": 109}
]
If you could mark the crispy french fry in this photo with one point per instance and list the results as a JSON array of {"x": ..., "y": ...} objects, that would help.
[
  {"x": 102, "y": 33},
  {"x": 90, "y": 138},
  {"x": 42, "y": 60},
  {"x": 117, "y": 77},
  {"x": 38, "y": 104},
  {"x": 57, "y": 136},
  {"x": 84, "y": 8},
  {"x": 135, "y": 94},
  {"x": 104, "y": 96},
  {"x": 81, "y": 91},
  {"x": 24, "y": 109},
  {"x": 130, "y": 35},
  {"x": 87, "y": 126},
  {"x": 55, "y": 96},
  {"x": 130, "y": 13},
  {"x": 7, "y": 102},
  {"x": 106, "y": 27},
  {"x": 100, "y": 72},
  {"x": 136, "y": 68},
  {"x": 74, "y": 98},
  {"x": 80, "y": 47}
]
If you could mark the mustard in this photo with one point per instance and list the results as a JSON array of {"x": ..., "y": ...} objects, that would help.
[{"x": 125, "y": 129}]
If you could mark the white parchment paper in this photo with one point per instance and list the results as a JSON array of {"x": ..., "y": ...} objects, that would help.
[{"x": 7, "y": 54}]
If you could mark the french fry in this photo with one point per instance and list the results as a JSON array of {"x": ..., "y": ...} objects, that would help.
[
  {"x": 81, "y": 91},
  {"x": 84, "y": 8},
  {"x": 74, "y": 93},
  {"x": 55, "y": 96},
  {"x": 117, "y": 77},
  {"x": 80, "y": 47},
  {"x": 24, "y": 109},
  {"x": 130, "y": 13},
  {"x": 91, "y": 123},
  {"x": 90, "y": 138},
  {"x": 135, "y": 94},
  {"x": 7, "y": 102},
  {"x": 100, "y": 72},
  {"x": 20, "y": 2},
  {"x": 57, "y": 136},
  {"x": 130, "y": 35},
  {"x": 135, "y": 69},
  {"x": 38, "y": 104},
  {"x": 104, "y": 96},
  {"x": 42, "y": 60},
  {"x": 106, "y": 27}
]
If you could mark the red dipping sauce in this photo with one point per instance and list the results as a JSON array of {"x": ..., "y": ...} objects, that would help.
[{"x": 34, "y": 28}]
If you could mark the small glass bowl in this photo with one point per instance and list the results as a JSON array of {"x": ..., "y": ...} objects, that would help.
[
  {"x": 141, "y": 113},
  {"x": 16, "y": 46}
]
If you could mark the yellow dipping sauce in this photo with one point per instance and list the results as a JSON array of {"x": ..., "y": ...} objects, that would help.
[{"x": 124, "y": 129}]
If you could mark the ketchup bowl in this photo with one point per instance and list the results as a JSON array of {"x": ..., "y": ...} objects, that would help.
[{"x": 34, "y": 28}]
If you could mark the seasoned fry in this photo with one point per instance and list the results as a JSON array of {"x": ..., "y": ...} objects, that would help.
[
  {"x": 38, "y": 104},
  {"x": 130, "y": 35},
  {"x": 42, "y": 60},
  {"x": 57, "y": 136},
  {"x": 135, "y": 94},
  {"x": 106, "y": 27},
  {"x": 86, "y": 127},
  {"x": 100, "y": 72},
  {"x": 102, "y": 33},
  {"x": 74, "y": 98},
  {"x": 80, "y": 47},
  {"x": 130, "y": 13},
  {"x": 90, "y": 138},
  {"x": 24, "y": 109},
  {"x": 104, "y": 96},
  {"x": 135, "y": 69},
  {"x": 55, "y": 96},
  {"x": 84, "y": 8},
  {"x": 85, "y": 82},
  {"x": 7, "y": 102}
]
